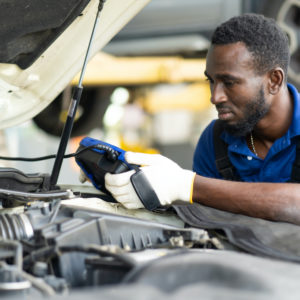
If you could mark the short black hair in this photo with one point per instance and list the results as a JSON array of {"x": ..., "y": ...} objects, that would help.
[{"x": 262, "y": 36}]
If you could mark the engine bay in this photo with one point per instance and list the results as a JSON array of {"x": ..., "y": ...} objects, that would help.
[{"x": 55, "y": 246}]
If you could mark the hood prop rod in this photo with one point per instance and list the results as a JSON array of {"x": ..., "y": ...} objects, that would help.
[{"x": 66, "y": 133}]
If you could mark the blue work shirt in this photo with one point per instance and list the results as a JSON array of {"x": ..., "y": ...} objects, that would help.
[{"x": 275, "y": 167}]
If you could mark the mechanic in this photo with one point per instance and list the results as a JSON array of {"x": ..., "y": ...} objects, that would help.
[{"x": 259, "y": 117}]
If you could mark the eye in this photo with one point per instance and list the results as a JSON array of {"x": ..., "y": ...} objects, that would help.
[{"x": 229, "y": 83}]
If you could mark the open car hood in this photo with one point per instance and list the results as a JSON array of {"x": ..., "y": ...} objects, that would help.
[{"x": 43, "y": 45}]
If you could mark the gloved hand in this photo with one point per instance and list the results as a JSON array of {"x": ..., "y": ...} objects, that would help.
[
  {"x": 169, "y": 181},
  {"x": 82, "y": 177}
]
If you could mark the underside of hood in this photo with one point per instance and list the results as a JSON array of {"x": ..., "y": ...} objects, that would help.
[
  {"x": 43, "y": 45},
  {"x": 28, "y": 28}
]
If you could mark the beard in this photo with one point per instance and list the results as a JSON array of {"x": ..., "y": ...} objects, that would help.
[{"x": 253, "y": 113}]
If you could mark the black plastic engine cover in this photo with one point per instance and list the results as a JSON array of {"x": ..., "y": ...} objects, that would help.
[{"x": 14, "y": 179}]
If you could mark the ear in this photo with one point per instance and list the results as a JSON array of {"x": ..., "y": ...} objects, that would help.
[{"x": 276, "y": 78}]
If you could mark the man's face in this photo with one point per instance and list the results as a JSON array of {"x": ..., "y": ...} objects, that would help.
[{"x": 236, "y": 89}]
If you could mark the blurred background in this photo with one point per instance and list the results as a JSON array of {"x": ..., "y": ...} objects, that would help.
[{"x": 146, "y": 91}]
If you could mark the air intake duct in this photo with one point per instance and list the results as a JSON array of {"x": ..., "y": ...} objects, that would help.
[{"x": 15, "y": 227}]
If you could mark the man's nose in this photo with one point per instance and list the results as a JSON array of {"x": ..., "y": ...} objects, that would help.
[{"x": 218, "y": 94}]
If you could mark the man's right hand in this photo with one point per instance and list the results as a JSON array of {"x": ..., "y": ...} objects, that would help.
[{"x": 169, "y": 181}]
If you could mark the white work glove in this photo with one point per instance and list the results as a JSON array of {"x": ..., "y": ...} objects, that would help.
[
  {"x": 169, "y": 181},
  {"x": 82, "y": 177}
]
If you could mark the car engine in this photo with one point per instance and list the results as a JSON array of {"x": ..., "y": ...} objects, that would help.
[{"x": 52, "y": 247}]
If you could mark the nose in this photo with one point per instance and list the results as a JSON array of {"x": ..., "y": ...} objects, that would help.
[{"x": 217, "y": 94}]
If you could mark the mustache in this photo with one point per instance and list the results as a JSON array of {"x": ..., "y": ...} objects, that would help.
[{"x": 221, "y": 107}]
